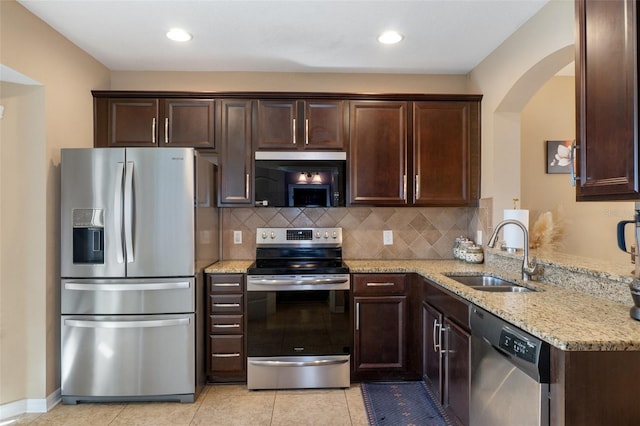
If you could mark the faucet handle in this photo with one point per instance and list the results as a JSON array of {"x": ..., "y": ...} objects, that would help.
[{"x": 533, "y": 270}]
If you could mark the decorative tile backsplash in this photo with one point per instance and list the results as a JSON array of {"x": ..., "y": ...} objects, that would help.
[{"x": 418, "y": 232}]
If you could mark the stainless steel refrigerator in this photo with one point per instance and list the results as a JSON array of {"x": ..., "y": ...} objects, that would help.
[{"x": 138, "y": 226}]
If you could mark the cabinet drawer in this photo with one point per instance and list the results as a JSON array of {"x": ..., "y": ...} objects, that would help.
[
  {"x": 450, "y": 305},
  {"x": 226, "y": 303},
  {"x": 226, "y": 284},
  {"x": 226, "y": 324},
  {"x": 227, "y": 353},
  {"x": 372, "y": 284}
]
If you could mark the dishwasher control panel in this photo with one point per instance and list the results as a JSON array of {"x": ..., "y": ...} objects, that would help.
[{"x": 518, "y": 346}]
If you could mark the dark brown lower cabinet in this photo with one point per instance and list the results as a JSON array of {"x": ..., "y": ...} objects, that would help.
[
  {"x": 226, "y": 344},
  {"x": 595, "y": 387},
  {"x": 457, "y": 367},
  {"x": 382, "y": 328},
  {"x": 380, "y": 333},
  {"x": 446, "y": 350},
  {"x": 432, "y": 366}
]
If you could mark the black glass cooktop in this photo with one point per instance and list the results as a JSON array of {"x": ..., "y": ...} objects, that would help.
[{"x": 297, "y": 266}]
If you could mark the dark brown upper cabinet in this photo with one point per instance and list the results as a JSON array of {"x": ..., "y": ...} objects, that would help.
[
  {"x": 446, "y": 153},
  {"x": 140, "y": 122},
  {"x": 607, "y": 100},
  {"x": 378, "y": 152},
  {"x": 300, "y": 125},
  {"x": 430, "y": 157},
  {"x": 235, "y": 156}
]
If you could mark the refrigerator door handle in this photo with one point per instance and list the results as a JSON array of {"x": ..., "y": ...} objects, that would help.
[
  {"x": 180, "y": 285},
  {"x": 128, "y": 212},
  {"x": 126, "y": 324},
  {"x": 117, "y": 217}
]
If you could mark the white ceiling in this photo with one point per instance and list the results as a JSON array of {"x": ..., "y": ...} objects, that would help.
[{"x": 441, "y": 36}]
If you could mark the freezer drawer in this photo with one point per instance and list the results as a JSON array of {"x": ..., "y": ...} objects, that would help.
[
  {"x": 128, "y": 357},
  {"x": 128, "y": 296}
]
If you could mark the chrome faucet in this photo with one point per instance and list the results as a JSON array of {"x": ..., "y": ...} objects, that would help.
[{"x": 530, "y": 268}]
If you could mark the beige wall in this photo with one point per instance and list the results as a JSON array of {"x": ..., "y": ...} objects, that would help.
[
  {"x": 508, "y": 78},
  {"x": 288, "y": 82},
  {"x": 22, "y": 366},
  {"x": 38, "y": 121},
  {"x": 590, "y": 227}
]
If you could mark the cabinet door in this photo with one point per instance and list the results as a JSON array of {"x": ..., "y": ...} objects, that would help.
[
  {"x": 236, "y": 163},
  {"x": 432, "y": 348},
  {"x": 378, "y": 152},
  {"x": 323, "y": 126},
  {"x": 277, "y": 125},
  {"x": 607, "y": 100},
  {"x": 188, "y": 123},
  {"x": 442, "y": 153},
  {"x": 132, "y": 122},
  {"x": 457, "y": 371},
  {"x": 380, "y": 333}
]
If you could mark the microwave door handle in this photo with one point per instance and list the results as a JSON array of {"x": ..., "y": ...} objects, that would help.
[
  {"x": 128, "y": 212},
  {"x": 117, "y": 213}
]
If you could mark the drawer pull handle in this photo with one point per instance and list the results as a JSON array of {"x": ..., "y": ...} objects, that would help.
[
  {"x": 233, "y": 355},
  {"x": 318, "y": 363},
  {"x": 226, "y": 305},
  {"x": 226, "y": 284},
  {"x": 226, "y": 325},
  {"x": 380, "y": 284}
]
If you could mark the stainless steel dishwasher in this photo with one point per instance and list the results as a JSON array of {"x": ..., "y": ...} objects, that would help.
[{"x": 509, "y": 374}]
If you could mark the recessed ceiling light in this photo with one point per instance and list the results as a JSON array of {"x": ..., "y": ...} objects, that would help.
[
  {"x": 390, "y": 37},
  {"x": 176, "y": 34}
]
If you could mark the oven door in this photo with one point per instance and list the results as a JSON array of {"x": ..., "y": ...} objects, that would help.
[{"x": 298, "y": 331}]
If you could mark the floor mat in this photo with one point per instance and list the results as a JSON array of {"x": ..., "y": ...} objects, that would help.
[{"x": 402, "y": 403}]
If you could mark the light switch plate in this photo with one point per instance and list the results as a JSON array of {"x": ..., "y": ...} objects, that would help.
[
  {"x": 237, "y": 237},
  {"x": 387, "y": 238}
]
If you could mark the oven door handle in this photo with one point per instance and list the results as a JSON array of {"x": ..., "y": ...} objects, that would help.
[
  {"x": 315, "y": 281},
  {"x": 317, "y": 363}
]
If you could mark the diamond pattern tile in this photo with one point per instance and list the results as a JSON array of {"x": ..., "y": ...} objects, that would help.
[{"x": 418, "y": 232}]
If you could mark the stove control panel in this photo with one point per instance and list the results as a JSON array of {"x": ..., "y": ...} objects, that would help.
[{"x": 299, "y": 236}]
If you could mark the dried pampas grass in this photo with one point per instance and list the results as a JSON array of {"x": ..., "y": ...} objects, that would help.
[{"x": 547, "y": 231}]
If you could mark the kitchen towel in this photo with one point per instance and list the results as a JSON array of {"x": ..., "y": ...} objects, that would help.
[{"x": 512, "y": 234}]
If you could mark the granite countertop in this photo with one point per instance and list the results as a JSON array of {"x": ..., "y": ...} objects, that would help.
[
  {"x": 229, "y": 267},
  {"x": 566, "y": 318}
]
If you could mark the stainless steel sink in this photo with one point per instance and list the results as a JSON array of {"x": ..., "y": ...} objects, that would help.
[
  {"x": 484, "y": 282},
  {"x": 504, "y": 289}
]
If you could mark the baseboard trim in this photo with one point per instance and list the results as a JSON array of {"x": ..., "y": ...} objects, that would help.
[{"x": 30, "y": 405}]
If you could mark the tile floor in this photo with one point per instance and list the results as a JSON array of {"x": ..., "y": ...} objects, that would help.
[{"x": 218, "y": 405}]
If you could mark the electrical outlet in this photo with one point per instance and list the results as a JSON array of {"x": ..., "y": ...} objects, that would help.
[
  {"x": 237, "y": 237},
  {"x": 387, "y": 238}
]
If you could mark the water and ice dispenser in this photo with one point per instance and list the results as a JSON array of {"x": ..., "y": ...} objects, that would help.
[{"x": 88, "y": 236}]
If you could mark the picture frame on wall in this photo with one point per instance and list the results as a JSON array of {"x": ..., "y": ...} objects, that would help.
[{"x": 558, "y": 157}]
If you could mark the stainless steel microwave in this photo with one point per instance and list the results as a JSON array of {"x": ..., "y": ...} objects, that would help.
[{"x": 305, "y": 179}]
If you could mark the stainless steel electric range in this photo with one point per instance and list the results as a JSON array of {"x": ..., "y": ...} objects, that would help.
[{"x": 298, "y": 329}]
